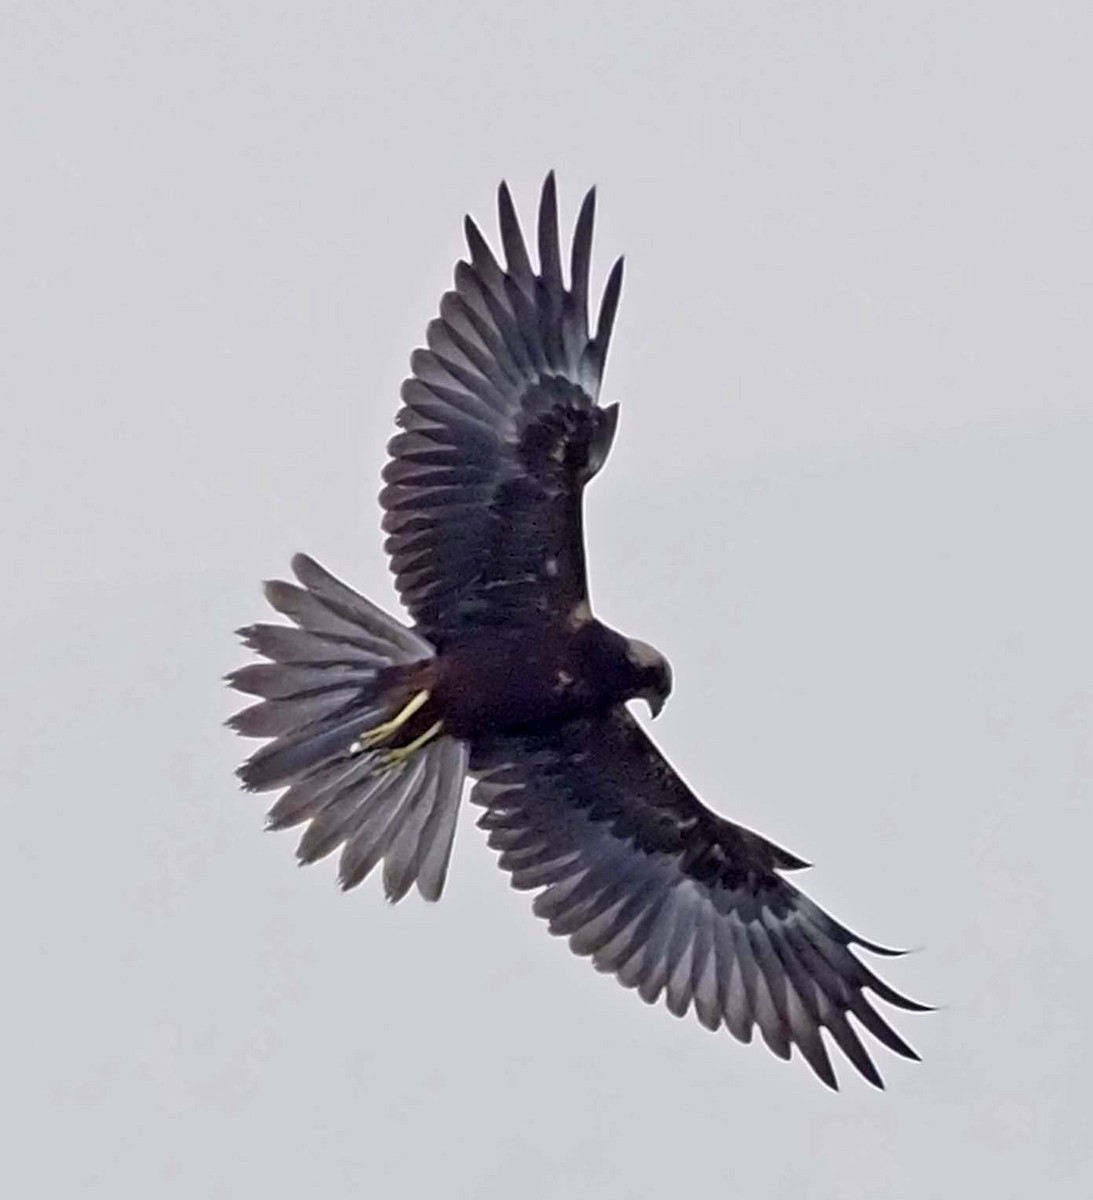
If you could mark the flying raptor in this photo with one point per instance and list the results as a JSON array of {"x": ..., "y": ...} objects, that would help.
[{"x": 506, "y": 676}]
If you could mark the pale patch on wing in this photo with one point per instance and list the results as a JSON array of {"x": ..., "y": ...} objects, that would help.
[{"x": 580, "y": 614}]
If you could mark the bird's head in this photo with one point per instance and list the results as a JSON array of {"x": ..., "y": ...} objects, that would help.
[{"x": 653, "y": 674}]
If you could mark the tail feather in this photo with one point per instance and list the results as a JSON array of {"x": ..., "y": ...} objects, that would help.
[
  {"x": 375, "y": 835},
  {"x": 434, "y": 845},
  {"x": 309, "y": 795},
  {"x": 275, "y": 718},
  {"x": 309, "y": 612},
  {"x": 360, "y": 612},
  {"x": 293, "y": 754},
  {"x": 283, "y": 643},
  {"x": 428, "y": 826},
  {"x": 279, "y": 681},
  {"x": 352, "y": 812},
  {"x": 320, "y": 693}
]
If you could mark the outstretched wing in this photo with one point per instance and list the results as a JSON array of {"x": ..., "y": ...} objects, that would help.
[
  {"x": 501, "y": 431},
  {"x": 671, "y": 898}
]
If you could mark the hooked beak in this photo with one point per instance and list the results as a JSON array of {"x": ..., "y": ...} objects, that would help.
[{"x": 655, "y": 700}]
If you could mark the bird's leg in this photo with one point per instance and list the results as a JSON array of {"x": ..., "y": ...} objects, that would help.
[
  {"x": 381, "y": 733},
  {"x": 391, "y": 758}
]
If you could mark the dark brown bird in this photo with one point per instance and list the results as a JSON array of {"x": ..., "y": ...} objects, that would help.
[{"x": 507, "y": 676}]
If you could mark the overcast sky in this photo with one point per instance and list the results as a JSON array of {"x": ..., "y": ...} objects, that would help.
[{"x": 850, "y": 499}]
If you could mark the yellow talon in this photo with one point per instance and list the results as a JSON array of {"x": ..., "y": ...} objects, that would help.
[
  {"x": 373, "y": 737},
  {"x": 400, "y": 753}
]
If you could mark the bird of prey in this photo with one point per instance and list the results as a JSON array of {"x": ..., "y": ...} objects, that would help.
[{"x": 506, "y": 676}]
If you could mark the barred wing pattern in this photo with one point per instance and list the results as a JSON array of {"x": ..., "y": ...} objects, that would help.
[
  {"x": 501, "y": 431},
  {"x": 671, "y": 898}
]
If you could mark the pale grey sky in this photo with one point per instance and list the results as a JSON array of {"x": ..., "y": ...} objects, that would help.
[{"x": 849, "y": 498}]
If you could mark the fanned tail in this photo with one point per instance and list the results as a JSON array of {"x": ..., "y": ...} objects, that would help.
[{"x": 330, "y": 712}]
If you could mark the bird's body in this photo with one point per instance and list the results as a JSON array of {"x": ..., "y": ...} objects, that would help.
[
  {"x": 522, "y": 680},
  {"x": 508, "y": 676}
]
